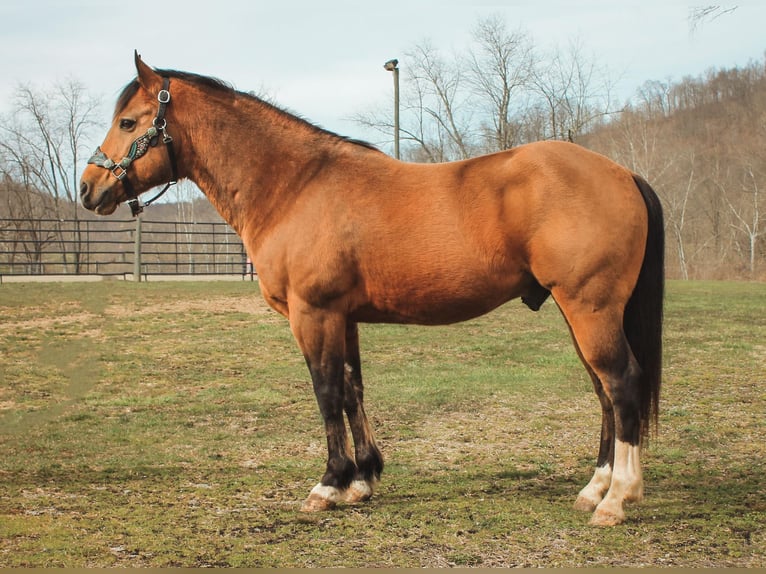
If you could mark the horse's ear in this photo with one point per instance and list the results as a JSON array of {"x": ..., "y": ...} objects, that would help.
[{"x": 147, "y": 77}]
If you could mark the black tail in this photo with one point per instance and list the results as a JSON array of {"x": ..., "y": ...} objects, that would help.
[{"x": 643, "y": 313}]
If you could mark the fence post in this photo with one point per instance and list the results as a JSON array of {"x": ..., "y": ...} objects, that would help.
[{"x": 137, "y": 251}]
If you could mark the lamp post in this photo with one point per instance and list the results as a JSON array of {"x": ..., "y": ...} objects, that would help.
[{"x": 392, "y": 66}]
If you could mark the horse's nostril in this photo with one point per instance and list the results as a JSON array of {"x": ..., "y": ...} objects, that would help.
[{"x": 83, "y": 189}]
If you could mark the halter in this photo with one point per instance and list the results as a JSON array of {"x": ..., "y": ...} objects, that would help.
[{"x": 137, "y": 149}]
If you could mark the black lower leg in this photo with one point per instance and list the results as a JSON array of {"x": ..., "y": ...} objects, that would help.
[
  {"x": 328, "y": 387},
  {"x": 625, "y": 397},
  {"x": 606, "y": 446},
  {"x": 369, "y": 460}
]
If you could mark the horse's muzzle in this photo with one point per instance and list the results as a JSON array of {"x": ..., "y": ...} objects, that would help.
[{"x": 102, "y": 203}]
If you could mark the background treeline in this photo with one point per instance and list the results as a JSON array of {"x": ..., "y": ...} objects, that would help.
[{"x": 700, "y": 141}]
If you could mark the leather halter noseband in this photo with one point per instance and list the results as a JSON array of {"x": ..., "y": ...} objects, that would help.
[{"x": 137, "y": 149}]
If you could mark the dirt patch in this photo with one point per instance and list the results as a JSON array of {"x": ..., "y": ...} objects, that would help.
[
  {"x": 45, "y": 323},
  {"x": 74, "y": 315},
  {"x": 249, "y": 305}
]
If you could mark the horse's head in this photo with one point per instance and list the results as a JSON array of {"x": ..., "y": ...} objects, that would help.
[{"x": 130, "y": 161}]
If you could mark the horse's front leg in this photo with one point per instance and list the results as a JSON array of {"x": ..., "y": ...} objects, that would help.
[
  {"x": 369, "y": 461},
  {"x": 321, "y": 336}
]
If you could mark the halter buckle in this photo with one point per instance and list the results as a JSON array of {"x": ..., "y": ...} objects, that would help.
[
  {"x": 118, "y": 171},
  {"x": 163, "y": 96},
  {"x": 135, "y": 206}
]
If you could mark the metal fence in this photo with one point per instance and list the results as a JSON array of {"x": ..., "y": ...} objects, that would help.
[{"x": 136, "y": 248}]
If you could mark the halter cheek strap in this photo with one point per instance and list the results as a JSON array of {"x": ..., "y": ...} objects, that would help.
[{"x": 138, "y": 148}]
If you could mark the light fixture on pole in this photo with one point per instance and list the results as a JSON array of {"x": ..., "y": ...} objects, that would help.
[{"x": 392, "y": 66}]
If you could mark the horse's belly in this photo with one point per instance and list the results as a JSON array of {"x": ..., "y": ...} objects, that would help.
[
  {"x": 419, "y": 316},
  {"x": 428, "y": 303}
]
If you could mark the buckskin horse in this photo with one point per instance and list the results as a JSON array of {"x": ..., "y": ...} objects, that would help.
[{"x": 341, "y": 233}]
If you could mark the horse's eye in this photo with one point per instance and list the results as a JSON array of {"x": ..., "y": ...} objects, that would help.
[{"x": 126, "y": 124}]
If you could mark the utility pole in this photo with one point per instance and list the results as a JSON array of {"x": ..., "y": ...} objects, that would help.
[{"x": 392, "y": 66}]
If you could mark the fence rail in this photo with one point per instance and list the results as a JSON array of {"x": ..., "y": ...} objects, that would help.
[{"x": 120, "y": 247}]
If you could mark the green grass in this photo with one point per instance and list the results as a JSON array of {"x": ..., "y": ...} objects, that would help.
[{"x": 173, "y": 424}]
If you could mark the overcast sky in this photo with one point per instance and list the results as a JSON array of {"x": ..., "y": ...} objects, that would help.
[{"x": 324, "y": 58}]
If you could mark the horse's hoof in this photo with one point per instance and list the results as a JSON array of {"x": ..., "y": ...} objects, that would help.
[
  {"x": 316, "y": 503},
  {"x": 606, "y": 517},
  {"x": 358, "y": 491},
  {"x": 585, "y": 504},
  {"x": 321, "y": 498}
]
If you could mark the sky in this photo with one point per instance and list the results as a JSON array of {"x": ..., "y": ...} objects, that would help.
[{"x": 323, "y": 59}]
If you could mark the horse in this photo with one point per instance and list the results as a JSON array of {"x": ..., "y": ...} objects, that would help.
[{"x": 342, "y": 234}]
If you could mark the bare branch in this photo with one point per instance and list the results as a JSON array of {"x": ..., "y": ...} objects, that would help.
[{"x": 698, "y": 15}]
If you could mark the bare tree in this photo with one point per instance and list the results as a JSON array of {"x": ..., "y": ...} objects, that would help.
[
  {"x": 24, "y": 232},
  {"x": 574, "y": 92},
  {"x": 439, "y": 104},
  {"x": 655, "y": 98},
  {"x": 41, "y": 146},
  {"x": 499, "y": 71},
  {"x": 748, "y": 209},
  {"x": 676, "y": 204}
]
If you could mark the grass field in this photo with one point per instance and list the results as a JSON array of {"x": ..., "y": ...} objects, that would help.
[{"x": 173, "y": 424}]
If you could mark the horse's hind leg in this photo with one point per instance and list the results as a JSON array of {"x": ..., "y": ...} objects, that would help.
[
  {"x": 594, "y": 491},
  {"x": 369, "y": 461},
  {"x": 607, "y": 355}
]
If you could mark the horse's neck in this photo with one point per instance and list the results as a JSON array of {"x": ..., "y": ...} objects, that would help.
[{"x": 248, "y": 161}]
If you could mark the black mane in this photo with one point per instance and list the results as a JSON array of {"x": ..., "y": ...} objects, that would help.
[{"x": 219, "y": 85}]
